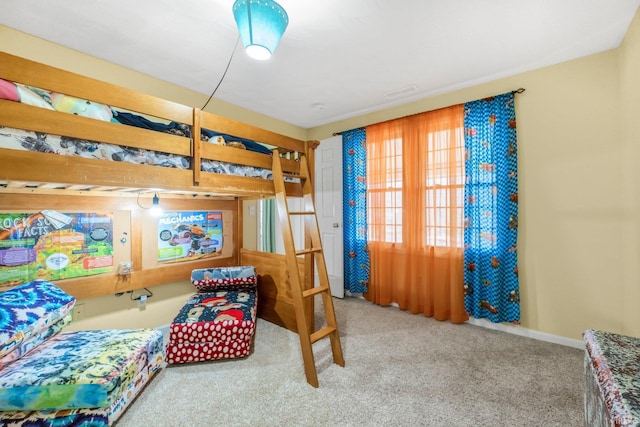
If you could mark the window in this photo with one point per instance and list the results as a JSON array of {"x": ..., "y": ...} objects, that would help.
[
  {"x": 431, "y": 170},
  {"x": 444, "y": 189},
  {"x": 386, "y": 215}
]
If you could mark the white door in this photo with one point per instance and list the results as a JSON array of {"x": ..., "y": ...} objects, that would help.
[{"x": 328, "y": 201}]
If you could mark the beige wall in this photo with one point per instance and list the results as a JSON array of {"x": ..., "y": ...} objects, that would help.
[
  {"x": 121, "y": 312},
  {"x": 579, "y": 208},
  {"x": 250, "y": 224},
  {"x": 630, "y": 112}
]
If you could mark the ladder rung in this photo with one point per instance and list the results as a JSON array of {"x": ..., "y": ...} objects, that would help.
[
  {"x": 313, "y": 291},
  {"x": 303, "y": 213},
  {"x": 308, "y": 251},
  {"x": 321, "y": 333}
]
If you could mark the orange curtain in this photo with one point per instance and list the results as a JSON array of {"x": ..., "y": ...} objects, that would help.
[{"x": 415, "y": 188}]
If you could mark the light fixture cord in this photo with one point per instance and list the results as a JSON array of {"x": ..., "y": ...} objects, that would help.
[
  {"x": 235, "y": 46},
  {"x": 138, "y": 200}
]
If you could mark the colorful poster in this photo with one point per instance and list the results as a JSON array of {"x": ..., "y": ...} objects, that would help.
[
  {"x": 51, "y": 245},
  {"x": 185, "y": 236}
]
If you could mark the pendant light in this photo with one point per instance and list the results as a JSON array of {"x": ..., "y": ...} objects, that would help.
[{"x": 261, "y": 24}]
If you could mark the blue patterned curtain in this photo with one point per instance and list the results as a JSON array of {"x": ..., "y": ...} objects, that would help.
[
  {"x": 491, "y": 210},
  {"x": 354, "y": 165}
]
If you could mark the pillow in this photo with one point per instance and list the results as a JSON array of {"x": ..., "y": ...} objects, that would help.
[
  {"x": 8, "y": 91},
  {"x": 20, "y": 93},
  {"x": 28, "y": 96},
  {"x": 224, "y": 278},
  {"x": 81, "y": 107},
  {"x": 28, "y": 310},
  {"x": 249, "y": 145},
  {"x": 35, "y": 340},
  {"x": 219, "y": 140}
]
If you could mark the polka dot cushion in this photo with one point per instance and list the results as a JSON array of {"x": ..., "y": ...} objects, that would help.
[
  {"x": 213, "y": 325},
  {"x": 227, "y": 345}
]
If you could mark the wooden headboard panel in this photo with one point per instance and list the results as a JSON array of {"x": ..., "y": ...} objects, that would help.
[{"x": 141, "y": 241}]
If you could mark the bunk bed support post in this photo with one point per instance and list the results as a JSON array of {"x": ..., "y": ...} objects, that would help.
[
  {"x": 309, "y": 270},
  {"x": 195, "y": 146}
]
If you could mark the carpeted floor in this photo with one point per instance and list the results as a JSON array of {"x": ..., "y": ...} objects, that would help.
[{"x": 400, "y": 370}]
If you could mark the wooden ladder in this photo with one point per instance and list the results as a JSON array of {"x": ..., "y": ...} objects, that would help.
[{"x": 298, "y": 291}]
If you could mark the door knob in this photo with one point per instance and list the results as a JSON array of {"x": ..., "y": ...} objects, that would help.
[{"x": 336, "y": 225}]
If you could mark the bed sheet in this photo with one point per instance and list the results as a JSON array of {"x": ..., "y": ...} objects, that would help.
[
  {"x": 213, "y": 310},
  {"x": 17, "y": 139}
]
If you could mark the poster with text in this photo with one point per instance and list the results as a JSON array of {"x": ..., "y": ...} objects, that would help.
[
  {"x": 185, "y": 236},
  {"x": 51, "y": 245}
]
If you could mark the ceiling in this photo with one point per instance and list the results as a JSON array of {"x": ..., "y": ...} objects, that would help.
[{"x": 338, "y": 58}]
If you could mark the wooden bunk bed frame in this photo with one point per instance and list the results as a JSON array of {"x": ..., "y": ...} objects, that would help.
[{"x": 41, "y": 177}]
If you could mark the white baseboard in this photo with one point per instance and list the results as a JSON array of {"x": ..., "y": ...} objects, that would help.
[
  {"x": 516, "y": 330},
  {"x": 353, "y": 294},
  {"x": 529, "y": 333}
]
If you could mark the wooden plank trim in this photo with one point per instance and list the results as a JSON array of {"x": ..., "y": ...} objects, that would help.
[
  {"x": 31, "y": 166},
  {"x": 243, "y": 157},
  {"x": 238, "y": 129},
  {"x": 22, "y": 116},
  {"x": 196, "y": 147},
  {"x": 21, "y": 70},
  {"x": 106, "y": 284}
]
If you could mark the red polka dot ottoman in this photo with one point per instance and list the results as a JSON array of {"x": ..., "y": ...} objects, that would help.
[{"x": 219, "y": 321}]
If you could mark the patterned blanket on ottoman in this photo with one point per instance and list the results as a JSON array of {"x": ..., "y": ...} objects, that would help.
[{"x": 219, "y": 321}]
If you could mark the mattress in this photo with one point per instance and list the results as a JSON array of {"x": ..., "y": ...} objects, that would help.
[
  {"x": 78, "y": 369},
  {"x": 89, "y": 417}
]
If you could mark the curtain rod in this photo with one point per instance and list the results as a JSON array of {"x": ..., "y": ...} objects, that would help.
[{"x": 517, "y": 91}]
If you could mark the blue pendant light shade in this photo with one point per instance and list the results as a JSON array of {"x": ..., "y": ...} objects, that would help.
[{"x": 261, "y": 24}]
